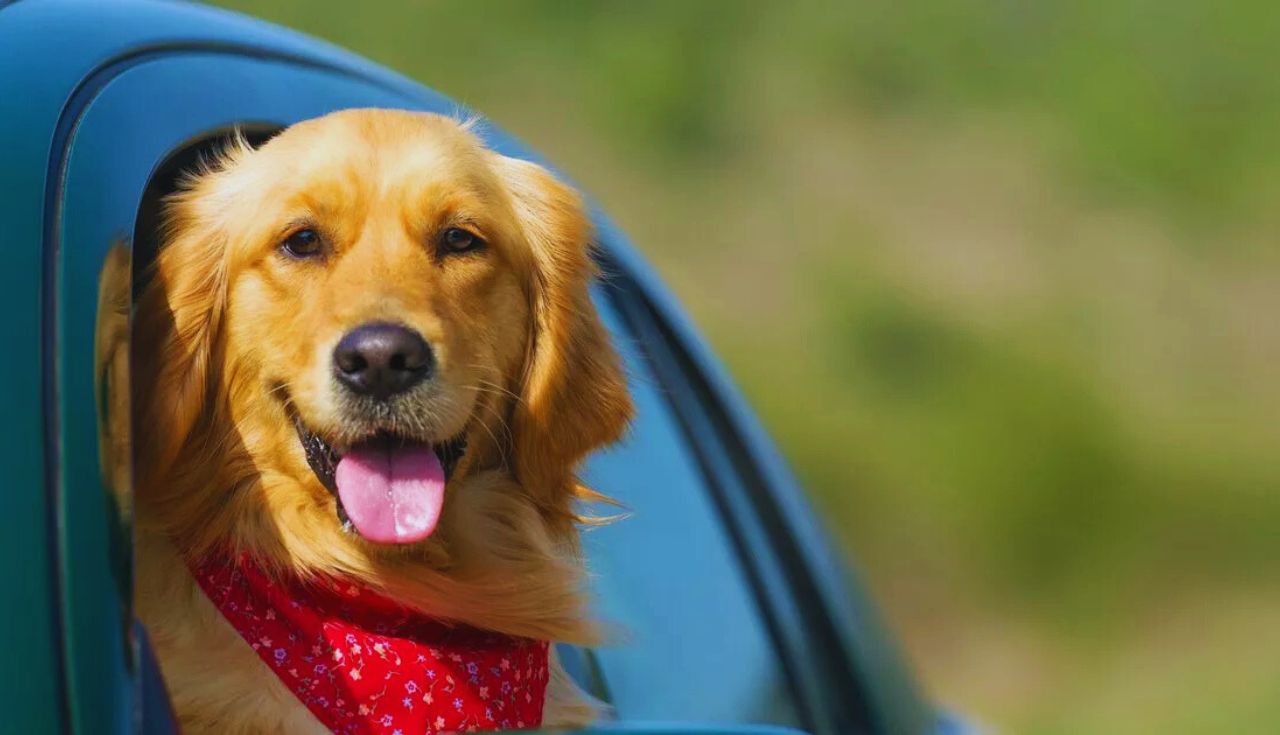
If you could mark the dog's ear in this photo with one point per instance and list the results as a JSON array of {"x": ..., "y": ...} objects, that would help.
[
  {"x": 573, "y": 396},
  {"x": 178, "y": 322}
]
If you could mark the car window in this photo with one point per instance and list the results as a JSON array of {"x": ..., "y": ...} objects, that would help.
[{"x": 689, "y": 641}]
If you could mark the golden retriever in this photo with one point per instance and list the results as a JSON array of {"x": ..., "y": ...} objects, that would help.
[{"x": 371, "y": 283}]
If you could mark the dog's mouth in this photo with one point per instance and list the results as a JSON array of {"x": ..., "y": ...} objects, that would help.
[{"x": 389, "y": 488}]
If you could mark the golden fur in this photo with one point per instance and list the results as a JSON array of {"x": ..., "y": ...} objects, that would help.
[{"x": 233, "y": 340}]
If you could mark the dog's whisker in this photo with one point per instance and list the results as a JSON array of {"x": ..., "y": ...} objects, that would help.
[
  {"x": 488, "y": 430},
  {"x": 491, "y": 409},
  {"x": 495, "y": 386},
  {"x": 502, "y": 424}
]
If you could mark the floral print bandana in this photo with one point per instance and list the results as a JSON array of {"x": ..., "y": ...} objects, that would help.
[{"x": 364, "y": 664}]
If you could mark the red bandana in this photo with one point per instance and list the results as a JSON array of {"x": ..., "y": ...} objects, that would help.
[{"x": 364, "y": 664}]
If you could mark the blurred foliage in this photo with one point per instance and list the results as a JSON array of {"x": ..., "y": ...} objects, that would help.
[{"x": 1001, "y": 277}]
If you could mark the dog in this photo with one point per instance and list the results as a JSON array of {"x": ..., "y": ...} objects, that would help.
[{"x": 366, "y": 359}]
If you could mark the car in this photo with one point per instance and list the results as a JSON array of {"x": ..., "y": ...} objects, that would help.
[{"x": 734, "y": 613}]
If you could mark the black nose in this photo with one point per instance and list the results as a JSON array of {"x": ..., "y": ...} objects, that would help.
[{"x": 381, "y": 359}]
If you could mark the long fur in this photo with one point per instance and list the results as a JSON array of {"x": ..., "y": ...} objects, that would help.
[{"x": 231, "y": 344}]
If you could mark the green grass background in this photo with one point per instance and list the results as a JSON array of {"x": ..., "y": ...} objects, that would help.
[{"x": 1002, "y": 278}]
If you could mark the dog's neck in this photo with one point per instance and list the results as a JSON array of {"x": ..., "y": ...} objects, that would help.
[{"x": 362, "y": 662}]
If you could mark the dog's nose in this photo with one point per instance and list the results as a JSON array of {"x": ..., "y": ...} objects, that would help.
[{"x": 382, "y": 359}]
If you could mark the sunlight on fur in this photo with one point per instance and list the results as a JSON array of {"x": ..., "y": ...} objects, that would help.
[{"x": 233, "y": 362}]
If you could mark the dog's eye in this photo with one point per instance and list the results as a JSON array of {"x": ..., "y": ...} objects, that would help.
[
  {"x": 458, "y": 240},
  {"x": 302, "y": 244}
]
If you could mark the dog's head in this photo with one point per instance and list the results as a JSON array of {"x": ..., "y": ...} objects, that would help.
[{"x": 348, "y": 322}]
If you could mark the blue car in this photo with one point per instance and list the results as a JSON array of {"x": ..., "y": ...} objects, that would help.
[{"x": 737, "y": 614}]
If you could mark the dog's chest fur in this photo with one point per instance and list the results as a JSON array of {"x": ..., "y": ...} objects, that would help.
[{"x": 222, "y": 684}]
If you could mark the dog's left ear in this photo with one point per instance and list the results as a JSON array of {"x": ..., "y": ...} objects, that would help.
[
  {"x": 574, "y": 394},
  {"x": 178, "y": 325}
]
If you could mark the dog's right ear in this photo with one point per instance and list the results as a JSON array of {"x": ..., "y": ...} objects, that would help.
[
  {"x": 178, "y": 323},
  {"x": 573, "y": 395}
]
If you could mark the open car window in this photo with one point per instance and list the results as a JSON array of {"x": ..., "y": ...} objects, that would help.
[{"x": 681, "y": 604}]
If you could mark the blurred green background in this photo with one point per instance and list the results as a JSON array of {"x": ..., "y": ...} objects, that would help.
[{"x": 1003, "y": 279}]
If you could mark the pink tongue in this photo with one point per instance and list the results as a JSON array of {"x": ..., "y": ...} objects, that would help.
[{"x": 391, "y": 494}]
